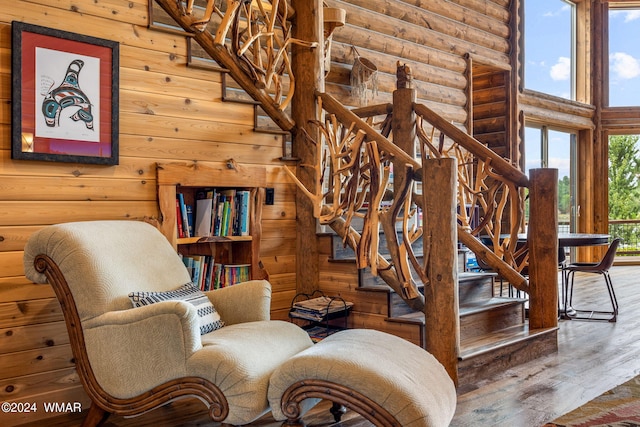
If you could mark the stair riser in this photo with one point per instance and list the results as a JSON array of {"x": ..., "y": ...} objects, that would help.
[
  {"x": 497, "y": 361},
  {"x": 469, "y": 291},
  {"x": 474, "y": 289},
  {"x": 412, "y": 332},
  {"x": 495, "y": 319}
]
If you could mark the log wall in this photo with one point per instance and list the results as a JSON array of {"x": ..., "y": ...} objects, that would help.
[
  {"x": 172, "y": 112},
  {"x": 168, "y": 112},
  {"x": 431, "y": 37}
]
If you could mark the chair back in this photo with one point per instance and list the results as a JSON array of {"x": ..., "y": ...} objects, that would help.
[
  {"x": 102, "y": 261},
  {"x": 607, "y": 260}
]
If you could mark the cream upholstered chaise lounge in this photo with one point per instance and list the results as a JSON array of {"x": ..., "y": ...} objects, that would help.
[{"x": 131, "y": 360}]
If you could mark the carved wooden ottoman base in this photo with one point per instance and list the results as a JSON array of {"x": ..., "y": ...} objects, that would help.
[{"x": 387, "y": 380}]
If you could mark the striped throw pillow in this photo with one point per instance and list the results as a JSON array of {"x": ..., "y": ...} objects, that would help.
[{"x": 208, "y": 316}]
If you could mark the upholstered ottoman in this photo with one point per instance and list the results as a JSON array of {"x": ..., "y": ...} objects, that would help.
[{"x": 384, "y": 378}]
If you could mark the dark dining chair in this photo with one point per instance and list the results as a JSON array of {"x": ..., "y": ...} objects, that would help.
[{"x": 602, "y": 268}]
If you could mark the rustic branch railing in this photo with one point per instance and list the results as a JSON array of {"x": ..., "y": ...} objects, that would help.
[
  {"x": 353, "y": 171},
  {"x": 487, "y": 186},
  {"x": 251, "y": 40},
  {"x": 356, "y": 168}
]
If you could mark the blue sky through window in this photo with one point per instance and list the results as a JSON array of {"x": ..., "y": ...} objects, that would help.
[
  {"x": 548, "y": 67},
  {"x": 548, "y": 51},
  {"x": 548, "y": 47},
  {"x": 624, "y": 57}
]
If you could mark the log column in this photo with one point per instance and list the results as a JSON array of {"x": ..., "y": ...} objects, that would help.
[
  {"x": 308, "y": 68},
  {"x": 442, "y": 323},
  {"x": 404, "y": 127},
  {"x": 543, "y": 248}
]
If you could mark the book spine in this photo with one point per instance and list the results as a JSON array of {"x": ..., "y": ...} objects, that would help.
[
  {"x": 185, "y": 217},
  {"x": 190, "y": 232},
  {"x": 195, "y": 277},
  {"x": 188, "y": 262},
  {"x": 214, "y": 196},
  {"x": 219, "y": 213},
  {"x": 209, "y": 273},
  {"x": 179, "y": 219},
  {"x": 225, "y": 218},
  {"x": 244, "y": 212}
]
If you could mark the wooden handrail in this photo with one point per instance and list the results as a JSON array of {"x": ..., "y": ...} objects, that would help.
[
  {"x": 333, "y": 106},
  {"x": 472, "y": 145}
]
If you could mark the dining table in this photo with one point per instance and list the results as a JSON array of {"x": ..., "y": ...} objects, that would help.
[{"x": 568, "y": 240}]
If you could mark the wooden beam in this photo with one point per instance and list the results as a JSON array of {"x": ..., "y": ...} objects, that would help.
[
  {"x": 404, "y": 130},
  {"x": 543, "y": 248},
  {"x": 308, "y": 67},
  {"x": 441, "y": 312}
]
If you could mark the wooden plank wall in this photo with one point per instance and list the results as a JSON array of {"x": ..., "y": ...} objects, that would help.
[
  {"x": 168, "y": 112},
  {"x": 490, "y": 113}
]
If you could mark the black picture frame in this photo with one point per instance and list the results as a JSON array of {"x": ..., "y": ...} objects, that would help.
[{"x": 65, "y": 93}]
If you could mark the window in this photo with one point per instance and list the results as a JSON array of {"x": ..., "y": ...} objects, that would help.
[
  {"x": 624, "y": 56},
  {"x": 549, "y": 47},
  {"x": 548, "y": 148},
  {"x": 624, "y": 191}
]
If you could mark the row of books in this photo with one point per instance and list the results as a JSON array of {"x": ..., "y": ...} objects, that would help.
[
  {"x": 208, "y": 275},
  {"x": 217, "y": 213}
]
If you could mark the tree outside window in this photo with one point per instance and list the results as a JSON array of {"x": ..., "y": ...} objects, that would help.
[{"x": 624, "y": 191}]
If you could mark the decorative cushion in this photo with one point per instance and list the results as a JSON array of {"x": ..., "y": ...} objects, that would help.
[{"x": 209, "y": 317}]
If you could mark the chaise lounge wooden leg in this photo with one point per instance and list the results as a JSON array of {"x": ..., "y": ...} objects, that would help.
[
  {"x": 338, "y": 411},
  {"x": 293, "y": 423},
  {"x": 95, "y": 417}
]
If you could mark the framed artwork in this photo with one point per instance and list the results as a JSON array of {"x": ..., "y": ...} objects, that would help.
[{"x": 64, "y": 96}]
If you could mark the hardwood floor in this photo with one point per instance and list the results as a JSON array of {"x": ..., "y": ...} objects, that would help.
[{"x": 593, "y": 357}]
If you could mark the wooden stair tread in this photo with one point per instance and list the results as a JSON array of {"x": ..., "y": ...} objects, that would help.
[
  {"x": 495, "y": 302},
  {"x": 469, "y": 276},
  {"x": 413, "y": 317},
  {"x": 472, "y": 275},
  {"x": 465, "y": 310},
  {"x": 376, "y": 288},
  {"x": 500, "y": 339}
]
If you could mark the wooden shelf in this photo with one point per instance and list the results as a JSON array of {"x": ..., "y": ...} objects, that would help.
[
  {"x": 213, "y": 239},
  {"x": 188, "y": 179}
]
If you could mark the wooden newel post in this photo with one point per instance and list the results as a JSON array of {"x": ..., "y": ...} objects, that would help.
[
  {"x": 543, "y": 248},
  {"x": 308, "y": 67},
  {"x": 442, "y": 324}
]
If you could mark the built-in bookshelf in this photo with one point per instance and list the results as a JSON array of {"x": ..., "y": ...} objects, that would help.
[{"x": 212, "y": 216}]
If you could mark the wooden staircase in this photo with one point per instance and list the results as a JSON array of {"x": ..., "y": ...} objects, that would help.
[{"x": 494, "y": 330}]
